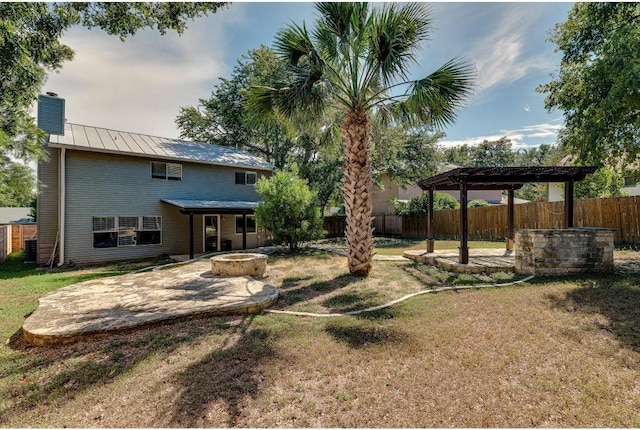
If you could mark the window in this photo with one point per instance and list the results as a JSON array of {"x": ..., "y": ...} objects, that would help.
[
  {"x": 158, "y": 170},
  {"x": 251, "y": 224},
  {"x": 629, "y": 181},
  {"x": 170, "y": 171},
  {"x": 251, "y": 178},
  {"x": 104, "y": 232},
  {"x": 112, "y": 231},
  {"x": 240, "y": 178},
  {"x": 127, "y": 230},
  {"x": 151, "y": 232},
  {"x": 174, "y": 172},
  {"x": 246, "y": 178}
]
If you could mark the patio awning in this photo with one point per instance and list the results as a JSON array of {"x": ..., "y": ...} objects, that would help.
[{"x": 212, "y": 206}]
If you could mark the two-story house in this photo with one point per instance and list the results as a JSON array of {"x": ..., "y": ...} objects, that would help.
[{"x": 113, "y": 195}]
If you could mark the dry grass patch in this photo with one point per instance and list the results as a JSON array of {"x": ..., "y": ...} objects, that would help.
[
  {"x": 320, "y": 282},
  {"x": 551, "y": 353},
  {"x": 397, "y": 245}
]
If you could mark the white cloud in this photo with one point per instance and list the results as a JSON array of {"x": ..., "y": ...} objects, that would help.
[
  {"x": 527, "y": 108},
  {"x": 139, "y": 85},
  {"x": 500, "y": 56},
  {"x": 524, "y": 137}
]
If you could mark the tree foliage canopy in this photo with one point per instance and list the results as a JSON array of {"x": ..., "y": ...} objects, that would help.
[
  {"x": 420, "y": 205},
  {"x": 489, "y": 153},
  {"x": 598, "y": 84},
  {"x": 226, "y": 118},
  {"x": 30, "y": 48},
  {"x": 406, "y": 154},
  {"x": 17, "y": 184},
  {"x": 289, "y": 209}
]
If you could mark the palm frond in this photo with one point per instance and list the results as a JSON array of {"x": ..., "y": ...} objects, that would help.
[
  {"x": 261, "y": 100},
  {"x": 343, "y": 18},
  {"x": 293, "y": 43},
  {"x": 395, "y": 35},
  {"x": 435, "y": 98}
]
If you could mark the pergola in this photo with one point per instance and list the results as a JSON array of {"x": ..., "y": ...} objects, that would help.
[{"x": 498, "y": 178}]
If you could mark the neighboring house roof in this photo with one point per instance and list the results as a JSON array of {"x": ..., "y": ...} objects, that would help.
[
  {"x": 96, "y": 139},
  {"x": 13, "y": 215}
]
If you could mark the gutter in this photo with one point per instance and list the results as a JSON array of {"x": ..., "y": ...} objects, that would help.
[{"x": 62, "y": 202}]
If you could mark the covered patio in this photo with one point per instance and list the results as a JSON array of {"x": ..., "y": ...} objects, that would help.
[
  {"x": 498, "y": 178},
  {"x": 218, "y": 207}
]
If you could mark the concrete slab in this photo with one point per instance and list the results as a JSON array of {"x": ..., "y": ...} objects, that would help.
[
  {"x": 480, "y": 260},
  {"x": 128, "y": 301}
]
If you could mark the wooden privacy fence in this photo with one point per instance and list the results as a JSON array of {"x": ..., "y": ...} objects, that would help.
[
  {"x": 619, "y": 213},
  {"x": 12, "y": 237},
  {"x": 5, "y": 241}
]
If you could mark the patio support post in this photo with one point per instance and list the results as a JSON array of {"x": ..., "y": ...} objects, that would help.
[
  {"x": 244, "y": 230},
  {"x": 430, "y": 241},
  {"x": 568, "y": 204},
  {"x": 464, "y": 246},
  {"x": 510, "y": 224},
  {"x": 190, "y": 235}
]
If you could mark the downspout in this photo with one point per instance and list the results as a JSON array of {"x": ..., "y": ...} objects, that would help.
[{"x": 62, "y": 200}]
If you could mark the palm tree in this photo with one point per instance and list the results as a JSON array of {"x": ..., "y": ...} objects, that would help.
[{"x": 356, "y": 60}]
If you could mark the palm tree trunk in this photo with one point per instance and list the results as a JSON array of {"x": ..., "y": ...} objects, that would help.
[{"x": 357, "y": 185}]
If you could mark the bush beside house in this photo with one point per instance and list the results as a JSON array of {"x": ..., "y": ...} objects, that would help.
[{"x": 289, "y": 210}]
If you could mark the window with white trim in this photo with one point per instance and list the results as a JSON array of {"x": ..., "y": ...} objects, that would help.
[
  {"x": 629, "y": 181},
  {"x": 251, "y": 224},
  {"x": 109, "y": 232},
  {"x": 151, "y": 232},
  {"x": 169, "y": 171},
  {"x": 128, "y": 227},
  {"x": 105, "y": 234},
  {"x": 246, "y": 178}
]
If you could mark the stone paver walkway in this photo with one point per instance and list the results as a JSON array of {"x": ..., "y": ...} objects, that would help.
[{"x": 127, "y": 301}]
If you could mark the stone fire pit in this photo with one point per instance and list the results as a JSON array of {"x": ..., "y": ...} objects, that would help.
[{"x": 239, "y": 265}]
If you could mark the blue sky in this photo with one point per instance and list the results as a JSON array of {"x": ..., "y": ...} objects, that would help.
[{"x": 140, "y": 84}]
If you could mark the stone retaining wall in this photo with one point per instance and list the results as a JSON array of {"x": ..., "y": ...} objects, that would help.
[{"x": 564, "y": 251}]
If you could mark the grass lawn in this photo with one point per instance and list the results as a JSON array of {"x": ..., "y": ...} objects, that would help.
[{"x": 554, "y": 352}]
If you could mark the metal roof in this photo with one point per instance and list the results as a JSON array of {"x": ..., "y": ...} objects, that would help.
[
  {"x": 96, "y": 139},
  {"x": 207, "y": 206},
  {"x": 502, "y": 178}
]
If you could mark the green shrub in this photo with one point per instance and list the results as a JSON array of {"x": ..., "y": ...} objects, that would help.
[
  {"x": 418, "y": 205},
  {"x": 478, "y": 203},
  {"x": 289, "y": 209}
]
